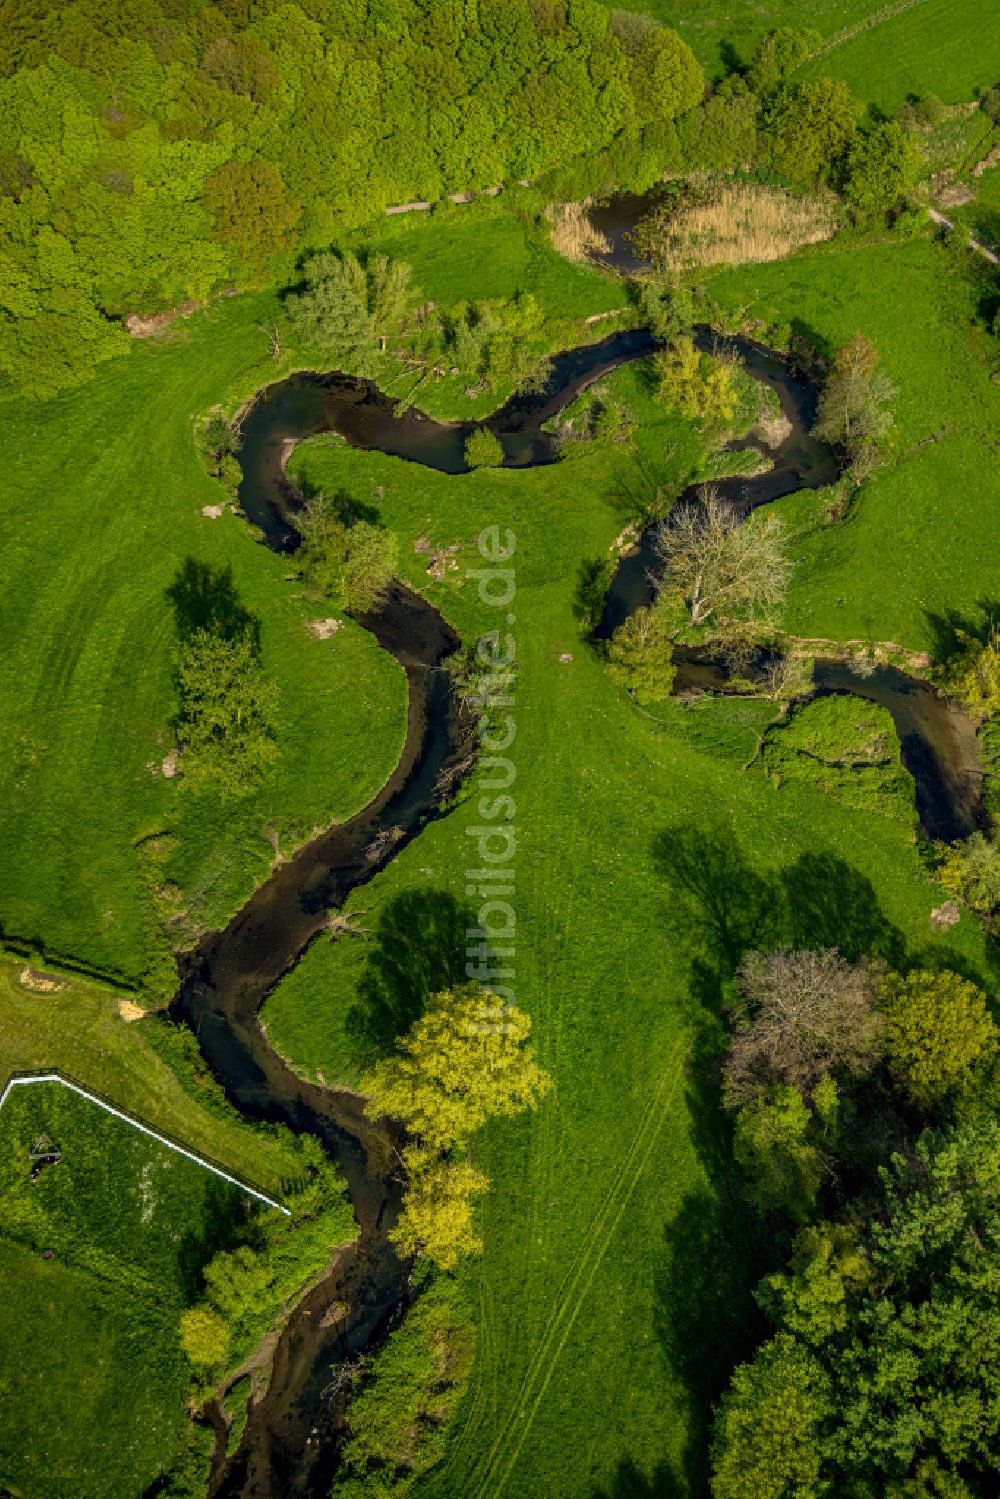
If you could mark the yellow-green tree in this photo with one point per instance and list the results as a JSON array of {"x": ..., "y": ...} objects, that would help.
[
  {"x": 937, "y": 1028},
  {"x": 973, "y": 675},
  {"x": 466, "y": 1060},
  {"x": 640, "y": 654},
  {"x": 970, "y": 871},
  {"x": 699, "y": 386},
  {"x": 204, "y": 1337},
  {"x": 437, "y": 1218}
]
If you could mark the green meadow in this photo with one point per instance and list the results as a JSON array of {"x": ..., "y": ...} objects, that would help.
[
  {"x": 720, "y": 34},
  {"x": 911, "y": 548},
  {"x": 99, "y": 1256},
  {"x": 614, "y": 1294},
  {"x": 79, "y": 1031},
  {"x": 944, "y": 47},
  {"x": 105, "y": 493},
  {"x": 617, "y": 1266}
]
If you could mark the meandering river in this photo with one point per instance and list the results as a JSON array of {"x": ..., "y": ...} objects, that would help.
[{"x": 291, "y": 1440}]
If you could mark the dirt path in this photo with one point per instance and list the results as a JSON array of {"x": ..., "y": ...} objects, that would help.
[{"x": 976, "y": 244}]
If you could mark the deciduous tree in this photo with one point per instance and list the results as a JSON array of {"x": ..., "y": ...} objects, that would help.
[
  {"x": 937, "y": 1028},
  {"x": 639, "y": 654},
  {"x": 349, "y": 561},
  {"x": 765, "y": 1443},
  {"x": 483, "y": 449},
  {"x": 464, "y": 1061},
  {"x": 729, "y": 572},
  {"x": 970, "y": 871},
  {"x": 807, "y": 1015},
  {"x": 254, "y": 220},
  {"x": 854, "y": 407},
  {"x": 227, "y": 714}
]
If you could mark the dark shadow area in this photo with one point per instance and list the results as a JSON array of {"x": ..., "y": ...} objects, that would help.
[
  {"x": 205, "y": 598},
  {"x": 818, "y": 901},
  {"x": 732, "y": 61},
  {"x": 945, "y": 630},
  {"x": 828, "y": 903},
  {"x": 809, "y": 350},
  {"x": 705, "y": 1318},
  {"x": 341, "y": 503},
  {"x": 629, "y": 1482},
  {"x": 593, "y": 579},
  {"x": 223, "y": 1227},
  {"x": 733, "y": 906},
  {"x": 418, "y": 949}
]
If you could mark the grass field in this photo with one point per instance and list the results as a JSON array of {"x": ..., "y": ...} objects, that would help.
[
  {"x": 613, "y": 1296},
  {"x": 613, "y": 1291},
  {"x": 720, "y": 34},
  {"x": 80, "y": 1032},
  {"x": 128, "y": 1225},
  {"x": 946, "y": 47},
  {"x": 105, "y": 497},
  {"x": 104, "y": 500},
  {"x": 912, "y": 549},
  {"x": 66, "y": 1340}
]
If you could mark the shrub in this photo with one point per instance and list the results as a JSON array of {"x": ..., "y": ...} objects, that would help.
[
  {"x": 204, "y": 1337},
  {"x": 639, "y": 655},
  {"x": 483, "y": 449}
]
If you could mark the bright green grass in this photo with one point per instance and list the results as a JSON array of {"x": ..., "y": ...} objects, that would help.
[
  {"x": 80, "y": 1032},
  {"x": 67, "y": 1432},
  {"x": 466, "y": 252},
  {"x": 104, "y": 493},
  {"x": 94, "y": 1402},
  {"x": 982, "y": 217},
  {"x": 104, "y": 498},
  {"x": 845, "y": 748},
  {"x": 719, "y": 34},
  {"x": 946, "y": 47},
  {"x": 117, "y": 1202},
  {"x": 913, "y": 548},
  {"x": 611, "y": 1298}
]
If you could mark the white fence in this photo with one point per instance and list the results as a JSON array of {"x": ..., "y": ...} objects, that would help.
[{"x": 25, "y": 1080}]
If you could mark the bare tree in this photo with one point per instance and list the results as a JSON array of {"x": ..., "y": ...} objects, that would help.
[
  {"x": 807, "y": 1014},
  {"x": 727, "y": 570}
]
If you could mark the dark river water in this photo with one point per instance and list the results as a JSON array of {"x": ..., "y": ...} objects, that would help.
[{"x": 292, "y": 1437}]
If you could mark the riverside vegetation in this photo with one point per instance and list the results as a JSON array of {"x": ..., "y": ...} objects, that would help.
[{"x": 771, "y": 1135}]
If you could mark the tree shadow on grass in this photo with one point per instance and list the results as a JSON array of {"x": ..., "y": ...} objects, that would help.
[
  {"x": 716, "y": 891},
  {"x": 715, "y": 1249},
  {"x": 629, "y": 1482},
  {"x": 828, "y": 903},
  {"x": 945, "y": 630},
  {"x": 704, "y": 1315},
  {"x": 819, "y": 900},
  {"x": 418, "y": 949},
  {"x": 205, "y": 598}
]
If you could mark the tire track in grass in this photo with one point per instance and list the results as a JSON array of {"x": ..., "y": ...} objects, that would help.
[
  {"x": 877, "y": 18},
  {"x": 578, "y": 1280}
]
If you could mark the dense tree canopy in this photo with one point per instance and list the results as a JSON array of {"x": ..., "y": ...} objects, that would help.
[
  {"x": 150, "y": 153},
  {"x": 937, "y": 1027},
  {"x": 227, "y": 712},
  {"x": 883, "y": 1377}
]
